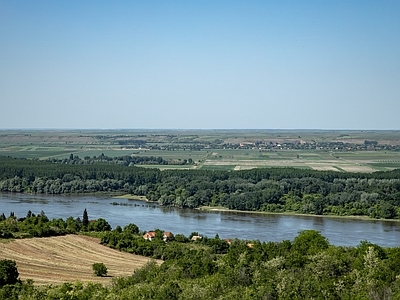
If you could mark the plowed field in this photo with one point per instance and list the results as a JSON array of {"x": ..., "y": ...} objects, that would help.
[{"x": 67, "y": 258}]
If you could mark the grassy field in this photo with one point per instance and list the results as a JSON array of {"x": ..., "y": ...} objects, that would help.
[
  {"x": 67, "y": 258},
  {"x": 170, "y": 167}
]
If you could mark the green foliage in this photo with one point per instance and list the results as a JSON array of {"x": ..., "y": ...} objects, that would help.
[
  {"x": 41, "y": 226},
  {"x": 99, "y": 269},
  {"x": 8, "y": 272},
  {"x": 131, "y": 229},
  {"x": 73, "y": 225},
  {"x": 99, "y": 225},
  {"x": 85, "y": 219},
  {"x": 309, "y": 242},
  {"x": 180, "y": 238}
]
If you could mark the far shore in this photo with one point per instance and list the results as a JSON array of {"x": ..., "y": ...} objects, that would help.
[{"x": 224, "y": 209}]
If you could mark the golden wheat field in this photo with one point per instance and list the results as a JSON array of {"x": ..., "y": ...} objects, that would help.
[{"x": 67, "y": 258}]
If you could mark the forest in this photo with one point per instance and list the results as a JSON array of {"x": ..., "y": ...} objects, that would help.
[
  {"x": 307, "y": 267},
  {"x": 290, "y": 190}
]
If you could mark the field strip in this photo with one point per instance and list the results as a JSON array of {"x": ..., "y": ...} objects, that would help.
[
  {"x": 325, "y": 164},
  {"x": 67, "y": 258}
]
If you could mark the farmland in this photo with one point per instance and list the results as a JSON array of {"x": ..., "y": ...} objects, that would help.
[
  {"x": 67, "y": 258},
  {"x": 342, "y": 151},
  {"x": 354, "y": 161}
]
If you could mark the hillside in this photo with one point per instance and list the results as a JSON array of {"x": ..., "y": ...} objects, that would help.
[{"x": 67, "y": 258}]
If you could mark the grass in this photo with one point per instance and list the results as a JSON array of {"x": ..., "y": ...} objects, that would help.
[
  {"x": 339, "y": 169},
  {"x": 167, "y": 167},
  {"x": 132, "y": 197},
  {"x": 218, "y": 167}
]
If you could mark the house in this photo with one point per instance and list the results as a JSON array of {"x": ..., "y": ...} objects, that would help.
[
  {"x": 152, "y": 234},
  {"x": 149, "y": 235},
  {"x": 167, "y": 236},
  {"x": 196, "y": 237}
]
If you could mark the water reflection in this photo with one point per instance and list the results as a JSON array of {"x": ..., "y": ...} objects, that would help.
[
  {"x": 234, "y": 218},
  {"x": 264, "y": 227},
  {"x": 39, "y": 201},
  {"x": 318, "y": 221},
  {"x": 392, "y": 227}
]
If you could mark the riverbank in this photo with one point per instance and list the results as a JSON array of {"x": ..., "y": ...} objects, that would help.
[
  {"x": 134, "y": 197},
  {"x": 224, "y": 209}
]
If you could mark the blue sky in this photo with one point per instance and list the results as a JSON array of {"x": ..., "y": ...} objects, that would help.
[{"x": 200, "y": 64}]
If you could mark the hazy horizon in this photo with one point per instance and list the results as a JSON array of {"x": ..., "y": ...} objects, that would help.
[
  {"x": 198, "y": 129},
  {"x": 205, "y": 65}
]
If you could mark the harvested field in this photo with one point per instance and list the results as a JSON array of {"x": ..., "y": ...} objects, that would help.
[
  {"x": 67, "y": 258},
  {"x": 307, "y": 161}
]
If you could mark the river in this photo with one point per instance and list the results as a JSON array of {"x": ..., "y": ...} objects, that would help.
[{"x": 149, "y": 216}]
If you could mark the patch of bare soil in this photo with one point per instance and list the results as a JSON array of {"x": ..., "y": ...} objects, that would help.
[{"x": 67, "y": 258}]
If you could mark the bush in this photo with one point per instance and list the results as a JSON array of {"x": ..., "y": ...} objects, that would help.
[
  {"x": 8, "y": 272},
  {"x": 131, "y": 228},
  {"x": 99, "y": 225},
  {"x": 99, "y": 269},
  {"x": 5, "y": 234}
]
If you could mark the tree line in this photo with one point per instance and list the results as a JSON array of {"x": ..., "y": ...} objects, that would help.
[
  {"x": 126, "y": 160},
  {"x": 376, "y": 195},
  {"x": 39, "y": 225}
]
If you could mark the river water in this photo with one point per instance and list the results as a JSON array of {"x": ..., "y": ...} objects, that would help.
[{"x": 148, "y": 216}]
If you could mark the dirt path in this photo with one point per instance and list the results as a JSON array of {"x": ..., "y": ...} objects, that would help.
[{"x": 67, "y": 258}]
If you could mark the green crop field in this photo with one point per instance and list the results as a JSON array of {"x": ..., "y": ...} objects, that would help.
[{"x": 169, "y": 167}]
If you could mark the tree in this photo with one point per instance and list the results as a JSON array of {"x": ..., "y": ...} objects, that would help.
[
  {"x": 43, "y": 217},
  {"x": 85, "y": 219},
  {"x": 131, "y": 228},
  {"x": 99, "y": 269},
  {"x": 8, "y": 272},
  {"x": 309, "y": 242},
  {"x": 99, "y": 225},
  {"x": 180, "y": 238}
]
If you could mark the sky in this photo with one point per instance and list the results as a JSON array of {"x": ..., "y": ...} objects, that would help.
[{"x": 200, "y": 64}]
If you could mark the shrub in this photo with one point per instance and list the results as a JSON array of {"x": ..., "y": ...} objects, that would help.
[
  {"x": 99, "y": 225},
  {"x": 99, "y": 269},
  {"x": 8, "y": 272}
]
